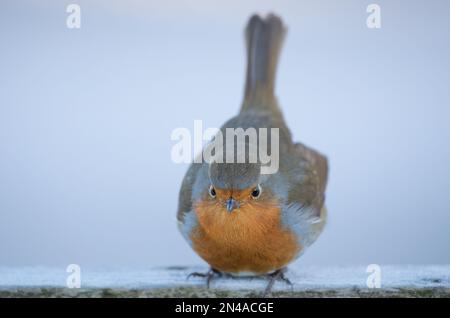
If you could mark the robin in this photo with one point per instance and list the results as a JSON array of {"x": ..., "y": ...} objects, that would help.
[{"x": 237, "y": 219}]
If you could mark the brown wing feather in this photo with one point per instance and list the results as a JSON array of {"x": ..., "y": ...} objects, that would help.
[
  {"x": 313, "y": 168},
  {"x": 185, "y": 196}
]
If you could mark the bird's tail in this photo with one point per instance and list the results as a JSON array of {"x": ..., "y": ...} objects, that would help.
[{"x": 264, "y": 41}]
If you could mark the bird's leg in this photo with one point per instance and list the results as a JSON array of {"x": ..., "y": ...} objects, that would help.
[
  {"x": 273, "y": 277},
  {"x": 209, "y": 275}
]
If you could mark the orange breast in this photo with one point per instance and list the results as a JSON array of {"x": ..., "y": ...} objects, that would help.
[{"x": 250, "y": 239}]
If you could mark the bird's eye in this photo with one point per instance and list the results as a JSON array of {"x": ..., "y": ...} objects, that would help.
[
  {"x": 256, "y": 192},
  {"x": 212, "y": 192}
]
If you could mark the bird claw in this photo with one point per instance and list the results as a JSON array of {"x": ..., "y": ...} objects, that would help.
[
  {"x": 273, "y": 277},
  {"x": 209, "y": 275},
  {"x": 278, "y": 275}
]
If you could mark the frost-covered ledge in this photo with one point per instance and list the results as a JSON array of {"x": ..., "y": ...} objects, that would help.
[{"x": 348, "y": 281}]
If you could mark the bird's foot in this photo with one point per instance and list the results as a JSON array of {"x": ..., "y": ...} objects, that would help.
[
  {"x": 209, "y": 275},
  {"x": 273, "y": 277}
]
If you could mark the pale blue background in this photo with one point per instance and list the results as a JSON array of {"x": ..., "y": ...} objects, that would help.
[{"x": 86, "y": 117}]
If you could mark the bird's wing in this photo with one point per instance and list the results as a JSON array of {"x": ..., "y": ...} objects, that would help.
[
  {"x": 308, "y": 178},
  {"x": 185, "y": 196},
  {"x": 305, "y": 173}
]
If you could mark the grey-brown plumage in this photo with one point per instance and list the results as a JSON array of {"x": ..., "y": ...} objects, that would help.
[{"x": 298, "y": 187}]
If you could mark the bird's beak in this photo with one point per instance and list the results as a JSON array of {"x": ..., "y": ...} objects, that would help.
[{"x": 231, "y": 204}]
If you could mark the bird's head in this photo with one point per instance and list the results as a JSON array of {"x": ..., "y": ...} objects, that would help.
[
  {"x": 237, "y": 200},
  {"x": 234, "y": 184}
]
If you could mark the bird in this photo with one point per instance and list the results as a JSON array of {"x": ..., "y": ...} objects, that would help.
[{"x": 243, "y": 222}]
